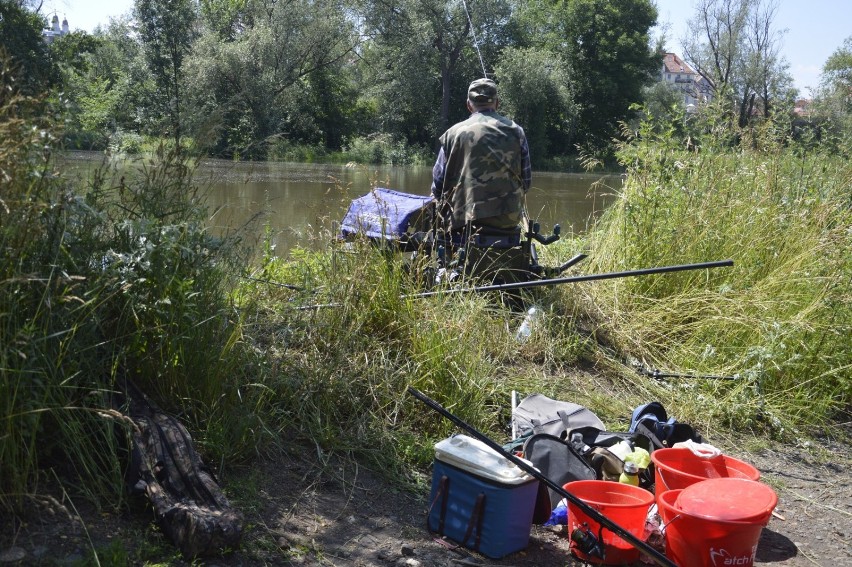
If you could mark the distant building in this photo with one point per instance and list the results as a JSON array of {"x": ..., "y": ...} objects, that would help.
[
  {"x": 54, "y": 31},
  {"x": 802, "y": 108},
  {"x": 695, "y": 88}
]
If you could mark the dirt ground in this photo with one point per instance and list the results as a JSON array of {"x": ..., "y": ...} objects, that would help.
[{"x": 304, "y": 509}]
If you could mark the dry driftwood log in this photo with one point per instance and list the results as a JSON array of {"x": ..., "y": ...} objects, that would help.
[{"x": 189, "y": 505}]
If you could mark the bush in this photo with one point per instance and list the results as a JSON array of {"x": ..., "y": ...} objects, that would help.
[
  {"x": 282, "y": 149},
  {"x": 383, "y": 149},
  {"x": 117, "y": 280}
]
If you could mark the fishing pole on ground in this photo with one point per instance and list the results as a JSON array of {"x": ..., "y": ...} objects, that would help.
[
  {"x": 587, "y": 509},
  {"x": 658, "y": 375},
  {"x": 270, "y": 282},
  {"x": 572, "y": 279},
  {"x": 550, "y": 281}
]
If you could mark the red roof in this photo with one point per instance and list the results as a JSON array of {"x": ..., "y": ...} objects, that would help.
[{"x": 674, "y": 64}]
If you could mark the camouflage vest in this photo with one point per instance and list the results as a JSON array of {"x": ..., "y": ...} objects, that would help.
[{"x": 483, "y": 179}]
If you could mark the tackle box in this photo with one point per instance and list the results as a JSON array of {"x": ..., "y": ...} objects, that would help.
[{"x": 479, "y": 498}]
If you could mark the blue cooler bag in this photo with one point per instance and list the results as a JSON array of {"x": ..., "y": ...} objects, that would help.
[{"x": 479, "y": 498}]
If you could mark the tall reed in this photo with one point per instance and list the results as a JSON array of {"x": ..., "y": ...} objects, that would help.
[
  {"x": 48, "y": 404},
  {"x": 780, "y": 318}
]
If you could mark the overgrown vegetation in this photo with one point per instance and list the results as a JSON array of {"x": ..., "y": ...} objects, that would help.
[
  {"x": 119, "y": 279},
  {"x": 114, "y": 280},
  {"x": 779, "y": 319}
]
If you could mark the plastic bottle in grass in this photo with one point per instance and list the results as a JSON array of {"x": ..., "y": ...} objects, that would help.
[{"x": 525, "y": 330}]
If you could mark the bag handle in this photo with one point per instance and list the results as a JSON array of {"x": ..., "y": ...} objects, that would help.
[
  {"x": 656, "y": 442},
  {"x": 477, "y": 516},
  {"x": 443, "y": 493},
  {"x": 565, "y": 420}
]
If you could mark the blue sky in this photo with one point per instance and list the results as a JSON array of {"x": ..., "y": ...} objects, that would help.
[{"x": 815, "y": 29}]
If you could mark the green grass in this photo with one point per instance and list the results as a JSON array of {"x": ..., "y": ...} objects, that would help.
[{"x": 779, "y": 319}]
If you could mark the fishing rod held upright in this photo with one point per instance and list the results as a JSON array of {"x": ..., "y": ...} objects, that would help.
[
  {"x": 529, "y": 469},
  {"x": 572, "y": 279}
]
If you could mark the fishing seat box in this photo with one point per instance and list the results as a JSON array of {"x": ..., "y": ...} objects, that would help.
[{"x": 479, "y": 498}]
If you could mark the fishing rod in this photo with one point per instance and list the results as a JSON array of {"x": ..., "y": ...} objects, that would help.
[
  {"x": 529, "y": 469},
  {"x": 546, "y": 282},
  {"x": 657, "y": 375},
  {"x": 475, "y": 42},
  {"x": 572, "y": 279},
  {"x": 270, "y": 282}
]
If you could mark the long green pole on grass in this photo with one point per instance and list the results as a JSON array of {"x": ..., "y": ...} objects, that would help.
[{"x": 550, "y": 281}]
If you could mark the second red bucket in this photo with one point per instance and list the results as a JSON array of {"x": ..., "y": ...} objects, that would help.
[
  {"x": 679, "y": 468},
  {"x": 736, "y": 499}
]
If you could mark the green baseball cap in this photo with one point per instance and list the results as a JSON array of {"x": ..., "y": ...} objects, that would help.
[{"x": 482, "y": 90}]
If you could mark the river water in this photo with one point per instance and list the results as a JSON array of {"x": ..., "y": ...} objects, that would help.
[{"x": 297, "y": 204}]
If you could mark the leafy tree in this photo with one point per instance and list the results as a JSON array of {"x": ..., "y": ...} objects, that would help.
[
  {"x": 833, "y": 103},
  {"x": 241, "y": 88},
  {"x": 837, "y": 71},
  {"x": 21, "y": 39},
  {"x": 606, "y": 46},
  {"x": 111, "y": 91},
  {"x": 422, "y": 56},
  {"x": 223, "y": 17},
  {"x": 72, "y": 50},
  {"x": 535, "y": 91},
  {"x": 406, "y": 99},
  {"x": 330, "y": 97},
  {"x": 166, "y": 32},
  {"x": 764, "y": 64},
  {"x": 734, "y": 45}
]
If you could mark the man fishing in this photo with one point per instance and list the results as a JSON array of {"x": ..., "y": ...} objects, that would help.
[{"x": 483, "y": 168}]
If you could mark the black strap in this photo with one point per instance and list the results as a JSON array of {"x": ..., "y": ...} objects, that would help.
[
  {"x": 443, "y": 493},
  {"x": 656, "y": 442},
  {"x": 477, "y": 516}
]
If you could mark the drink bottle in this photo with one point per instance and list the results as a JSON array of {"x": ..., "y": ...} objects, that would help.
[
  {"x": 525, "y": 330},
  {"x": 630, "y": 475}
]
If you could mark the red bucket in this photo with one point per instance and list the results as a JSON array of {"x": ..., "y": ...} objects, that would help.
[
  {"x": 624, "y": 504},
  {"x": 666, "y": 505},
  {"x": 679, "y": 468},
  {"x": 704, "y": 542},
  {"x": 734, "y": 499}
]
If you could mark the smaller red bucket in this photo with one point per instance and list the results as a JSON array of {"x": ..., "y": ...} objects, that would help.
[
  {"x": 734, "y": 499},
  {"x": 704, "y": 542},
  {"x": 624, "y": 504},
  {"x": 666, "y": 505},
  {"x": 679, "y": 468}
]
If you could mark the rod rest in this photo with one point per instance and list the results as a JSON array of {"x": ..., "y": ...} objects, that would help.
[{"x": 534, "y": 234}]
